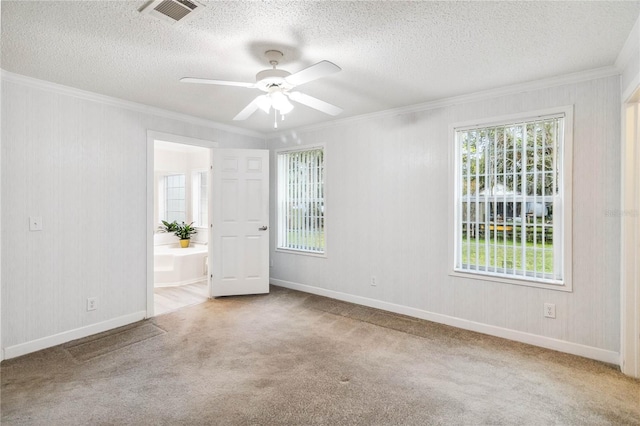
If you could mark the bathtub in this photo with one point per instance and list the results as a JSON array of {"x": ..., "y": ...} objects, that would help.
[{"x": 173, "y": 265}]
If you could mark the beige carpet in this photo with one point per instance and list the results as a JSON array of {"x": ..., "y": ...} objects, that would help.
[
  {"x": 290, "y": 358},
  {"x": 103, "y": 343}
]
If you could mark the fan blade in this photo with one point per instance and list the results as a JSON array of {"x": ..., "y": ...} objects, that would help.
[
  {"x": 218, "y": 82},
  {"x": 248, "y": 110},
  {"x": 314, "y": 72},
  {"x": 315, "y": 103}
]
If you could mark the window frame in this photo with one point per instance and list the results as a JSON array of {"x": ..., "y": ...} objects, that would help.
[
  {"x": 278, "y": 194},
  {"x": 196, "y": 199},
  {"x": 565, "y": 197}
]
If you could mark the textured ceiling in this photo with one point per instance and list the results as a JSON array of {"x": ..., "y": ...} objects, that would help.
[{"x": 392, "y": 54}]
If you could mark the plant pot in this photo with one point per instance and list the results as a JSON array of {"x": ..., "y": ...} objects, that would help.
[{"x": 184, "y": 243}]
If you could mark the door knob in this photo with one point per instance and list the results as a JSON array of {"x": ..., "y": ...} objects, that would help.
[{"x": 262, "y": 228}]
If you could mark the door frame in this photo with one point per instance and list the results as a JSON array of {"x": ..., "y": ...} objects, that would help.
[
  {"x": 630, "y": 236},
  {"x": 152, "y": 136}
]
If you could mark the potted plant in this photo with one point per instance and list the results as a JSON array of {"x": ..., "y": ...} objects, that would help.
[
  {"x": 168, "y": 227},
  {"x": 184, "y": 232}
]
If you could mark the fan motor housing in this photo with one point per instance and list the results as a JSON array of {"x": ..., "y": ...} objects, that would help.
[{"x": 271, "y": 77}]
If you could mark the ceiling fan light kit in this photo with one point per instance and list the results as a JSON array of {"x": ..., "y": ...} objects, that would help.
[
  {"x": 280, "y": 102},
  {"x": 277, "y": 84}
]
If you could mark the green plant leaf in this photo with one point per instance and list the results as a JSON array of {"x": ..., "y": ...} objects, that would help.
[{"x": 184, "y": 231}]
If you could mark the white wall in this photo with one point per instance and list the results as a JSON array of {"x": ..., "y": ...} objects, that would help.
[
  {"x": 79, "y": 161},
  {"x": 387, "y": 203}
]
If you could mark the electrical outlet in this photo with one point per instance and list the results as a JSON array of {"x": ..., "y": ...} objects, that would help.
[
  {"x": 549, "y": 310},
  {"x": 374, "y": 282},
  {"x": 92, "y": 303}
]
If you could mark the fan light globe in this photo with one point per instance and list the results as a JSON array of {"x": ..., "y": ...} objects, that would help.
[
  {"x": 286, "y": 107},
  {"x": 280, "y": 102}
]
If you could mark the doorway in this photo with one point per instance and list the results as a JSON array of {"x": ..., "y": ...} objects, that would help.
[
  {"x": 237, "y": 237},
  {"x": 179, "y": 191}
]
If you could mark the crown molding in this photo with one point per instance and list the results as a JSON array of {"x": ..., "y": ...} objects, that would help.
[
  {"x": 132, "y": 106},
  {"x": 530, "y": 86},
  {"x": 572, "y": 78}
]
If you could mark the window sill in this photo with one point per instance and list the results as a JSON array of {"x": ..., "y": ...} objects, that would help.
[
  {"x": 506, "y": 280},
  {"x": 301, "y": 252}
]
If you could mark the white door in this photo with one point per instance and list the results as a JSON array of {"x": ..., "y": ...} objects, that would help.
[{"x": 240, "y": 218}]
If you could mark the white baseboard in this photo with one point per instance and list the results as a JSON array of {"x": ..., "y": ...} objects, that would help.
[
  {"x": 67, "y": 336},
  {"x": 590, "y": 352}
]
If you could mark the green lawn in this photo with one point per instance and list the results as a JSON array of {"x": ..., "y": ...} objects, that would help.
[
  {"x": 306, "y": 240},
  {"x": 503, "y": 254},
  {"x": 500, "y": 253}
]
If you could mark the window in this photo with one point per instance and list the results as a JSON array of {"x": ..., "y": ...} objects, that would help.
[
  {"x": 301, "y": 200},
  {"x": 200, "y": 206},
  {"x": 174, "y": 198},
  {"x": 510, "y": 198}
]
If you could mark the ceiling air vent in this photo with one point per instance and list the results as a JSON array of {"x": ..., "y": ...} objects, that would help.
[{"x": 172, "y": 11}]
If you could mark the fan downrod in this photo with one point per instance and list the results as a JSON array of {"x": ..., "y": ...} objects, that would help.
[{"x": 274, "y": 57}]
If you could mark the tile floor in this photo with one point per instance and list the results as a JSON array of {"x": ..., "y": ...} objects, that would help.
[{"x": 168, "y": 299}]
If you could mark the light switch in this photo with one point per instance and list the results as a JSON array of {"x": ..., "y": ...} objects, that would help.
[{"x": 35, "y": 223}]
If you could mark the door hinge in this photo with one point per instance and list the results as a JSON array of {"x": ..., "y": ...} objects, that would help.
[{"x": 210, "y": 167}]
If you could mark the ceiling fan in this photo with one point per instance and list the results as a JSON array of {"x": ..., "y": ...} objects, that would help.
[{"x": 277, "y": 84}]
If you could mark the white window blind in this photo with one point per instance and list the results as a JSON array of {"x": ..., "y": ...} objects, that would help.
[
  {"x": 509, "y": 200},
  {"x": 301, "y": 200}
]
